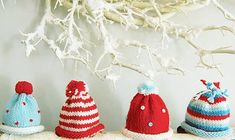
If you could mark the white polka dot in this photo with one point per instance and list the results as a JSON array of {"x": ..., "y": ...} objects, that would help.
[
  {"x": 142, "y": 107},
  {"x": 150, "y": 124},
  {"x": 163, "y": 110}
]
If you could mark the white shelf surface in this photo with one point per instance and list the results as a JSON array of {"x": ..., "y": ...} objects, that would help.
[{"x": 48, "y": 135}]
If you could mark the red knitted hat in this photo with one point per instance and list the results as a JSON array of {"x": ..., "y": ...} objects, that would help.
[
  {"x": 79, "y": 117},
  {"x": 148, "y": 117}
]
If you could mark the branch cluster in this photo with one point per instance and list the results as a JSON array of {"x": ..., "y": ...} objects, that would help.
[{"x": 132, "y": 14}]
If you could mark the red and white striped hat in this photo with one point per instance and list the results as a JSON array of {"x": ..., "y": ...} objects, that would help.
[{"x": 79, "y": 117}]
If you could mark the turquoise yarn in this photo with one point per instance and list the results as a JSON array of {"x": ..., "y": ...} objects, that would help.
[
  {"x": 208, "y": 113},
  {"x": 147, "y": 87},
  {"x": 23, "y": 109},
  {"x": 201, "y": 133}
]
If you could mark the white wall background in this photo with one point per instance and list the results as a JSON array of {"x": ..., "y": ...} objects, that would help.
[{"x": 50, "y": 79}]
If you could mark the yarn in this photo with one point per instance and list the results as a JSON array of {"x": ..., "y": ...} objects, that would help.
[
  {"x": 148, "y": 116},
  {"x": 217, "y": 84},
  {"x": 148, "y": 87},
  {"x": 22, "y": 115},
  {"x": 24, "y": 87},
  {"x": 213, "y": 90},
  {"x": 79, "y": 117},
  {"x": 75, "y": 88},
  {"x": 208, "y": 113}
]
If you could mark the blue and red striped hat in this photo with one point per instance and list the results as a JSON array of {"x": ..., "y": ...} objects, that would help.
[{"x": 208, "y": 113}]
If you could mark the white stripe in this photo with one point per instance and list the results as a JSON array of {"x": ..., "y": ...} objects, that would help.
[
  {"x": 81, "y": 96},
  {"x": 81, "y": 122},
  {"x": 207, "y": 106},
  {"x": 86, "y": 97},
  {"x": 79, "y": 113},
  {"x": 80, "y": 104},
  {"x": 207, "y": 122},
  {"x": 77, "y": 129}
]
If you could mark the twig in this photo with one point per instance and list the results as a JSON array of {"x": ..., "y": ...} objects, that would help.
[
  {"x": 71, "y": 43},
  {"x": 2, "y": 3},
  {"x": 225, "y": 12}
]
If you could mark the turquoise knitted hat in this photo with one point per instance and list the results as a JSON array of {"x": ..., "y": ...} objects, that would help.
[{"x": 22, "y": 115}]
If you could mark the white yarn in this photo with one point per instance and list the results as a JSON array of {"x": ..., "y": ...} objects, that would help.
[{"x": 139, "y": 136}]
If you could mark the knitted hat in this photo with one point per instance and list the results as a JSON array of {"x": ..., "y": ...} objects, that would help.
[
  {"x": 22, "y": 115},
  {"x": 79, "y": 117},
  {"x": 148, "y": 117},
  {"x": 208, "y": 113}
]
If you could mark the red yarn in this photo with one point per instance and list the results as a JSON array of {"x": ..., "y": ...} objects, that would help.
[
  {"x": 79, "y": 135},
  {"x": 203, "y": 81},
  {"x": 24, "y": 87},
  {"x": 73, "y": 86},
  {"x": 72, "y": 126},
  {"x": 138, "y": 119},
  {"x": 217, "y": 84}
]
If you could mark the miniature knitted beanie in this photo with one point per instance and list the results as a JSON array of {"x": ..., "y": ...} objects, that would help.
[
  {"x": 148, "y": 117},
  {"x": 79, "y": 117},
  {"x": 22, "y": 115},
  {"x": 208, "y": 113}
]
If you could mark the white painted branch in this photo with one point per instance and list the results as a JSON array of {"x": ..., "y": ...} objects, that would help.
[
  {"x": 72, "y": 44},
  {"x": 225, "y": 12},
  {"x": 39, "y": 32},
  {"x": 2, "y": 3}
]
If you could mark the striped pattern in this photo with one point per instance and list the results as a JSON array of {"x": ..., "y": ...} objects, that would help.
[
  {"x": 79, "y": 118},
  {"x": 206, "y": 117},
  {"x": 207, "y": 123},
  {"x": 79, "y": 113}
]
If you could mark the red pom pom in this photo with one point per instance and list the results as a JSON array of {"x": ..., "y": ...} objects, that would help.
[
  {"x": 24, "y": 87},
  {"x": 73, "y": 85}
]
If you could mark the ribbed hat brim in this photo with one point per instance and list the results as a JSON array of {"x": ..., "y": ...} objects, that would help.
[
  {"x": 205, "y": 134},
  {"x": 79, "y": 135},
  {"x": 21, "y": 131},
  {"x": 139, "y": 136}
]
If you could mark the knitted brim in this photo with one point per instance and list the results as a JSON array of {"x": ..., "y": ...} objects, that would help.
[
  {"x": 202, "y": 133},
  {"x": 79, "y": 135},
  {"x": 21, "y": 131},
  {"x": 139, "y": 136}
]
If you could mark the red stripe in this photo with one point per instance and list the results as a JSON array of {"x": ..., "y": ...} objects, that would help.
[
  {"x": 78, "y": 117},
  {"x": 79, "y": 126},
  {"x": 203, "y": 116},
  {"x": 218, "y": 100},
  {"x": 78, "y": 135},
  {"x": 75, "y": 109}
]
